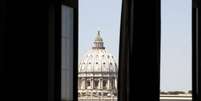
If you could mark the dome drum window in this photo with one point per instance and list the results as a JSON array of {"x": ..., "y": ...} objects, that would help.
[{"x": 96, "y": 84}]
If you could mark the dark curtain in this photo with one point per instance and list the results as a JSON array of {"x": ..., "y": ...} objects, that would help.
[{"x": 139, "y": 65}]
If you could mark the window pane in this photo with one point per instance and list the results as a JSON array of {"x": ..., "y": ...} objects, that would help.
[
  {"x": 99, "y": 26},
  {"x": 67, "y": 54},
  {"x": 176, "y": 49}
]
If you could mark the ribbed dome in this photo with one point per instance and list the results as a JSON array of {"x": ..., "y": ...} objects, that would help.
[{"x": 98, "y": 59}]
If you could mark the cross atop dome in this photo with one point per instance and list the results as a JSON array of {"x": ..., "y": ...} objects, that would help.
[{"x": 98, "y": 43}]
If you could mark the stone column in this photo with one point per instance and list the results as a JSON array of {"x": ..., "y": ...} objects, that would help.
[
  {"x": 115, "y": 83},
  {"x": 98, "y": 83},
  {"x": 83, "y": 86},
  {"x": 92, "y": 84},
  {"x": 88, "y": 80},
  {"x": 108, "y": 84},
  {"x": 101, "y": 83}
]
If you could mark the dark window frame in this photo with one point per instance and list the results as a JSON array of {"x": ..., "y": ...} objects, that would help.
[
  {"x": 196, "y": 47},
  {"x": 140, "y": 50},
  {"x": 54, "y": 42},
  {"x": 74, "y": 5},
  {"x": 127, "y": 48},
  {"x": 54, "y": 59},
  {"x": 132, "y": 9}
]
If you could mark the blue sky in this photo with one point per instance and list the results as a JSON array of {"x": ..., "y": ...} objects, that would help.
[
  {"x": 176, "y": 45},
  {"x": 176, "y": 58},
  {"x": 97, "y": 15}
]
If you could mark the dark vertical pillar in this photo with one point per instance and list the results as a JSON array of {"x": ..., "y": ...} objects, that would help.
[
  {"x": 139, "y": 67},
  {"x": 145, "y": 54},
  {"x": 123, "y": 74},
  {"x": 2, "y": 45},
  {"x": 75, "y": 53},
  {"x": 54, "y": 47},
  {"x": 2, "y": 35},
  {"x": 196, "y": 35}
]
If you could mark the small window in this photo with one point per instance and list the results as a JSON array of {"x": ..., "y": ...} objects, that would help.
[
  {"x": 96, "y": 83},
  {"x": 104, "y": 84},
  {"x": 88, "y": 84}
]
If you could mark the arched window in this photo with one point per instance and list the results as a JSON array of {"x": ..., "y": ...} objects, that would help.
[{"x": 88, "y": 84}]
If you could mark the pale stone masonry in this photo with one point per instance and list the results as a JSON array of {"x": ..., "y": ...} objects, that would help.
[{"x": 97, "y": 72}]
